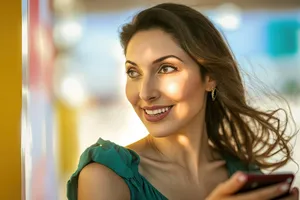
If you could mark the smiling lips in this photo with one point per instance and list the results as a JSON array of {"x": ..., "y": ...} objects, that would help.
[{"x": 156, "y": 113}]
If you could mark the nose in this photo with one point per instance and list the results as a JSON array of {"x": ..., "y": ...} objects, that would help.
[{"x": 149, "y": 90}]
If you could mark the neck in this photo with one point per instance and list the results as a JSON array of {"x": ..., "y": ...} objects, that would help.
[{"x": 188, "y": 148}]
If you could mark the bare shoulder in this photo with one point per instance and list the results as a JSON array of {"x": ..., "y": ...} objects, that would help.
[{"x": 98, "y": 182}]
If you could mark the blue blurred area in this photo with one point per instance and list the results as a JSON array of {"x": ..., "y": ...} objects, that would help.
[
  {"x": 264, "y": 37},
  {"x": 282, "y": 37}
]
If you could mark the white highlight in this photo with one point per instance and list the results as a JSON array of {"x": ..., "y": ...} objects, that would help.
[
  {"x": 228, "y": 16},
  {"x": 73, "y": 92},
  {"x": 67, "y": 33}
]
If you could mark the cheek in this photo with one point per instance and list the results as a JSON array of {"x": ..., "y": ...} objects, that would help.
[
  {"x": 132, "y": 93},
  {"x": 187, "y": 92},
  {"x": 183, "y": 88}
]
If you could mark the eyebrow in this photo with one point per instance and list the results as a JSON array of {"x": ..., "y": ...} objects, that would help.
[{"x": 157, "y": 60}]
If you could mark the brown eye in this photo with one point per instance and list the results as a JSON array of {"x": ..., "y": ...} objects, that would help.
[
  {"x": 132, "y": 73},
  {"x": 166, "y": 69}
]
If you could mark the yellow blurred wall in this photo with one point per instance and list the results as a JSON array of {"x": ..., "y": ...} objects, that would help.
[
  {"x": 10, "y": 99},
  {"x": 68, "y": 138}
]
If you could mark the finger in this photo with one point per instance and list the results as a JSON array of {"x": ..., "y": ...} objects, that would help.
[
  {"x": 295, "y": 191},
  {"x": 294, "y": 195},
  {"x": 229, "y": 187},
  {"x": 265, "y": 193},
  {"x": 290, "y": 197}
]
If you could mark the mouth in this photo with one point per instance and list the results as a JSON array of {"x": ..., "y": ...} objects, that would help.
[{"x": 158, "y": 114}]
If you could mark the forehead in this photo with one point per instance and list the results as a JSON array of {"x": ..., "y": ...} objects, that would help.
[{"x": 152, "y": 44}]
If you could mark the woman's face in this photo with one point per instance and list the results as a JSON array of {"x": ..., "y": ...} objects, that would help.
[{"x": 164, "y": 84}]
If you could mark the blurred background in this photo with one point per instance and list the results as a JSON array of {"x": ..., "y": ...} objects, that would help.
[{"x": 74, "y": 75}]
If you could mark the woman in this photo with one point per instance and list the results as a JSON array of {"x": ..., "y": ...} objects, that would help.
[{"x": 185, "y": 86}]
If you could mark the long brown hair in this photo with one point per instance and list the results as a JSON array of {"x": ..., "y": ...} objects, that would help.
[{"x": 233, "y": 126}]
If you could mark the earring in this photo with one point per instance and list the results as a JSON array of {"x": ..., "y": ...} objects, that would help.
[{"x": 214, "y": 94}]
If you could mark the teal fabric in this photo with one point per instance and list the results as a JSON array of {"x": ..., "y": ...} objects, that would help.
[{"x": 124, "y": 162}]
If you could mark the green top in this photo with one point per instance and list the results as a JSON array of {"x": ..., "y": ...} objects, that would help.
[{"x": 124, "y": 162}]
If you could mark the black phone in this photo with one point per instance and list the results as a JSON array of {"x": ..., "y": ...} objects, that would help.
[{"x": 257, "y": 181}]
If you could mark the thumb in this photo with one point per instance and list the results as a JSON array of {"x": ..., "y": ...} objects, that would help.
[{"x": 229, "y": 187}]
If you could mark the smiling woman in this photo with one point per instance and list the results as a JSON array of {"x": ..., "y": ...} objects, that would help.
[
  {"x": 185, "y": 86},
  {"x": 149, "y": 87}
]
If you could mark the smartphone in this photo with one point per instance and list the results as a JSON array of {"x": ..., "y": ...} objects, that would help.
[{"x": 257, "y": 181}]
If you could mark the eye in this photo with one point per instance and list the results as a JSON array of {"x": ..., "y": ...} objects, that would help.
[
  {"x": 166, "y": 69},
  {"x": 132, "y": 73}
]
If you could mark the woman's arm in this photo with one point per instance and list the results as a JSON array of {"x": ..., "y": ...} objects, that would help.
[{"x": 97, "y": 182}]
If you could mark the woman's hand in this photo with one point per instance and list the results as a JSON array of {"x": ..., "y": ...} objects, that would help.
[{"x": 227, "y": 190}]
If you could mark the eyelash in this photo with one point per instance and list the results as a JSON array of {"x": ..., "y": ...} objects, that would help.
[
  {"x": 161, "y": 67},
  {"x": 130, "y": 70},
  {"x": 166, "y": 66}
]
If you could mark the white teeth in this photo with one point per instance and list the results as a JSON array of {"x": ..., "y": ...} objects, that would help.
[{"x": 158, "y": 111}]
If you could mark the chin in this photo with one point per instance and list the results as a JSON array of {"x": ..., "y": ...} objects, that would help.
[{"x": 161, "y": 130}]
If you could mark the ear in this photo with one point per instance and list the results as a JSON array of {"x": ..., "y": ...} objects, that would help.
[{"x": 210, "y": 83}]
